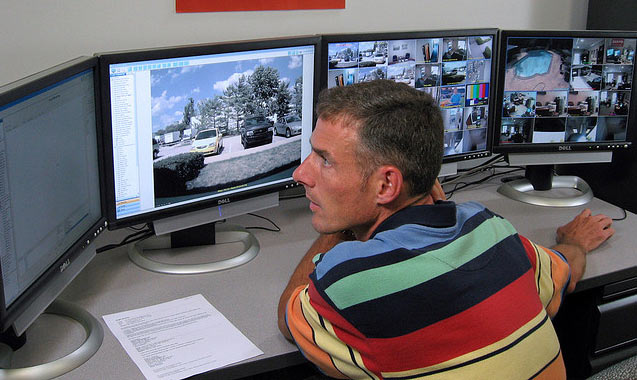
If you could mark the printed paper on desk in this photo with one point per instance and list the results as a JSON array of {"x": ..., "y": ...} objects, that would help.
[{"x": 180, "y": 338}]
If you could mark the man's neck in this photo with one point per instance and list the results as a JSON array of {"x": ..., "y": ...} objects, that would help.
[{"x": 385, "y": 211}]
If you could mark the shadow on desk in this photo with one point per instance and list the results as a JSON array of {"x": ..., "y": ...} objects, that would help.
[{"x": 304, "y": 371}]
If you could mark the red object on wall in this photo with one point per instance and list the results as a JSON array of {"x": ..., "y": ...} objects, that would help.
[{"x": 186, "y": 6}]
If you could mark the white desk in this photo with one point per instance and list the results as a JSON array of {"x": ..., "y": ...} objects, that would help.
[{"x": 248, "y": 295}]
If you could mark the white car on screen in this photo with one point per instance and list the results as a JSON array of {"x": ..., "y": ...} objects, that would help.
[{"x": 288, "y": 126}]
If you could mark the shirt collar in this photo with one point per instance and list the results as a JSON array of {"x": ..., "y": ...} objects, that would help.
[{"x": 439, "y": 215}]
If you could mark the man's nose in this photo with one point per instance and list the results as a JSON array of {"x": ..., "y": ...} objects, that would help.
[{"x": 300, "y": 173}]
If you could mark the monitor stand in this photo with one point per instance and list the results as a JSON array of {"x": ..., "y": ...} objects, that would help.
[
  {"x": 541, "y": 178},
  {"x": 93, "y": 341},
  {"x": 199, "y": 228},
  {"x": 447, "y": 169},
  {"x": 208, "y": 234}
]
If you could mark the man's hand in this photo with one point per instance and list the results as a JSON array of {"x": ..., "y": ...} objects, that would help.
[
  {"x": 586, "y": 231},
  {"x": 437, "y": 193},
  {"x": 580, "y": 236}
]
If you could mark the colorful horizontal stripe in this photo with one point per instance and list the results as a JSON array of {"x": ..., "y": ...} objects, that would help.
[
  {"x": 465, "y": 298},
  {"x": 422, "y": 268}
]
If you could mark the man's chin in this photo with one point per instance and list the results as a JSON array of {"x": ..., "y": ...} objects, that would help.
[{"x": 322, "y": 228}]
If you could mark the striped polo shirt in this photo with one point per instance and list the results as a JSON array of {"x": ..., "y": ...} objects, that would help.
[{"x": 439, "y": 291}]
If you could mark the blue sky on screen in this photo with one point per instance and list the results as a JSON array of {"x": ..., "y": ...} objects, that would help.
[{"x": 171, "y": 88}]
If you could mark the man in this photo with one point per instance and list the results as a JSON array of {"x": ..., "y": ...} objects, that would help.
[
  {"x": 456, "y": 98},
  {"x": 423, "y": 286}
]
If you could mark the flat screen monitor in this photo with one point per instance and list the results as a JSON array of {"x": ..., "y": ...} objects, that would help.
[
  {"x": 50, "y": 192},
  {"x": 195, "y": 134},
  {"x": 564, "y": 97},
  {"x": 456, "y": 67}
]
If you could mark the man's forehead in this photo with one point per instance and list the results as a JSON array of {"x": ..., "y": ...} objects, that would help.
[
  {"x": 318, "y": 139},
  {"x": 331, "y": 133}
]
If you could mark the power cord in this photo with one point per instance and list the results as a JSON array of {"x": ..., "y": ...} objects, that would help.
[
  {"x": 275, "y": 229},
  {"x": 139, "y": 234},
  {"x": 623, "y": 217},
  {"x": 463, "y": 185},
  {"x": 146, "y": 232},
  {"x": 490, "y": 165}
]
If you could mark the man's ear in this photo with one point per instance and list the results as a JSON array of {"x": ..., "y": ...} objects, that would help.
[{"x": 390, "y": 181}]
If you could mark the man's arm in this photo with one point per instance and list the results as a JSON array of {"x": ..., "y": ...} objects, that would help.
[
  {"x": 580, "y": 236},
  {"x": 322, "y": 244}
]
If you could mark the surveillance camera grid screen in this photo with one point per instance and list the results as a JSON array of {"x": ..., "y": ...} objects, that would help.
[
  {"x": 566, "y": 90},
  {"x": 456, "y": 71}
]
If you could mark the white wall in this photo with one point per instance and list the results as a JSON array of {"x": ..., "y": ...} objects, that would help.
[{"x": 37, "y": 34}]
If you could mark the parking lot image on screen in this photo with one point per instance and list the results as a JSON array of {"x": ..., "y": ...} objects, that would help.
[{"x": 226, "y": 124}]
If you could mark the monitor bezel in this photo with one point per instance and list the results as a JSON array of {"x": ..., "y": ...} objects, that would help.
[
  {"x": 566, "y": 146},
  {"x": 399, "y": 35},
  {"x": 108, "y": 58},
  {"x": 16, "y": 91}
]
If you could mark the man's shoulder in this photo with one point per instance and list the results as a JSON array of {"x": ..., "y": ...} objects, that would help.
[
  {"x": 471, "y": 205},
  {"x": 345, "y": 253},
  {"x": 471, "y": 208},
  {"x": 407, "y": 236}
]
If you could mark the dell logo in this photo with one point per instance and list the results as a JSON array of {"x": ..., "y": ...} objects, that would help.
[
  {"x": 565, "y": 147},
  {"x": 64, "y": 265},
  {"x": 223, "y": 201}
]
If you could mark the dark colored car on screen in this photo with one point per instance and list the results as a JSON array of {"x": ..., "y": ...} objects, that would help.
[
  {"x": 257, "y": 130},
  {"x": 155, "y": 148}
]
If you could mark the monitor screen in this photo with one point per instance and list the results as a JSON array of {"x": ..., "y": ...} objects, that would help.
[
  {"x": 456, "y": 67},
  {"x": 192, "y": 127},
  {"x": 50, "y": 187},
  {"x": 565, "y": 91},
  {"x": 563, "y": 97}
]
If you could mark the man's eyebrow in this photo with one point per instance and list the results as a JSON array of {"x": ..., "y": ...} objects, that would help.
[{"x": 320, "y": 152}]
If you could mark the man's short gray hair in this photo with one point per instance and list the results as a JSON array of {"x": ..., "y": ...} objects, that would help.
[{"x": 397, "y": 125}]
